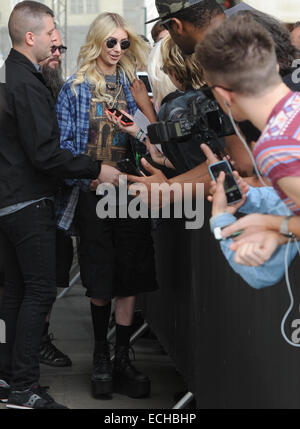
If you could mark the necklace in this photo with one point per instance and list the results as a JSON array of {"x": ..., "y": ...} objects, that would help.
[{"x": 112, "y": 86}]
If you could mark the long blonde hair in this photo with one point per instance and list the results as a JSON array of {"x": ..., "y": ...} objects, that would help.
[
  {"x": 100, "y": 30},
  {"x": 160, "y": 82},
  {"x": 187, "y": 69}
]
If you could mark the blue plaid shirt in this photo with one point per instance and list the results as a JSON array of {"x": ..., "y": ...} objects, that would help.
[{"x": 73, "y": 119}]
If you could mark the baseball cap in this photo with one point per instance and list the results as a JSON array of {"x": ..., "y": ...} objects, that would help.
[
  {"x": 169, "y": 8},
  {"x": 238, "y": 8}
]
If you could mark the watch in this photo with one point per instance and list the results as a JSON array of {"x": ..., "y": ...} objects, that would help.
[
  {"x": 284, "y": 228},
  {"x": 218, "y": 233}
]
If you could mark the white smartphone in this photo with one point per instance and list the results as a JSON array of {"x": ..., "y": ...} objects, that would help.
[{"x": 143, "y": 76}]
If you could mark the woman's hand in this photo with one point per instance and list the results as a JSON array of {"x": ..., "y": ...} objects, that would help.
[
  {"x": 131, "y": 130},
  {"x": 219, "y": 199},
  {"x": 256, "y": 249},
  {"x": 140, "y": 94},
  {"x": 218, "y": 195}
]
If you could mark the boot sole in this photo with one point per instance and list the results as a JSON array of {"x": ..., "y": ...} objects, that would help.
[
  {"x": 133, "y": 389},
  {"x": 18, "y": 407},
  {"x": 101, "y": 388}
]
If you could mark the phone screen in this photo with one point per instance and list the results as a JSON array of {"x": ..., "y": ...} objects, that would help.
[
  {"x": 232, "y": 190},
  {"x": 145, "y": 79},
  {"x": 115, "y": 111},
  {"x": 126, "y": 120}
]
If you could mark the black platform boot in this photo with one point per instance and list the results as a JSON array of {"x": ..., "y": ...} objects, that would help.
[
  {"x": 127, "y": 379},
  {"x": 102, "y": 381}
]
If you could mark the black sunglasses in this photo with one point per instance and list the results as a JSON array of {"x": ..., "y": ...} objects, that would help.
[
  {"x": 62, "y": 49},
  {"x": 112, "y": 42}
]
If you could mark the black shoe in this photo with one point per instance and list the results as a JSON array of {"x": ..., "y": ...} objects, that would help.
[
  {"x": 33, "y": 398},
  {"x": 4, "y": 391},
  {"x": 127, "y": 379},
  {"x": 50, "y": 355},
  {"x": 102, "y": 381}
]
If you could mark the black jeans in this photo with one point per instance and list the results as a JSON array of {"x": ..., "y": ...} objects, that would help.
[
  {"x": 30, "y": 289},
  {"x": 64, "y": 258}
]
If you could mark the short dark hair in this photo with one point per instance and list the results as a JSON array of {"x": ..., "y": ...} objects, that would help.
[
  {"x": 27, "y": 16},
  {"x": 200, "y": 14},
  {"x": 240, "y": 55}
]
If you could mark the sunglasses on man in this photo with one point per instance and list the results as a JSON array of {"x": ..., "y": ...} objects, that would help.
[
  {"x": 112, "y": 42},
  {"x": 62, "y": 49}
]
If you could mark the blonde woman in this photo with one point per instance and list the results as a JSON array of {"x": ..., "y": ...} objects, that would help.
[
  {"x": 160, "y": 82},
  {"x": 116, "y": 255}
]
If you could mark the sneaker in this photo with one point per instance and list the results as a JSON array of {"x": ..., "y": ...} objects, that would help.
[
  {"x": 102, "y": 381},
  {"x": 4, "y": 391},
  {"x": 50, "y": 355},
  {"x": 35, "y": 397},
  {"x": 127, "y": 379}
]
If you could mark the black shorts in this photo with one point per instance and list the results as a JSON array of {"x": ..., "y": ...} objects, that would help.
[{"x": 116, "y": 256}]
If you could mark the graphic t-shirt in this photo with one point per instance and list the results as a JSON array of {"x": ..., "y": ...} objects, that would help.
[
  {"x": 105, "y": 142},
  {"x": 277, "y": 152}
]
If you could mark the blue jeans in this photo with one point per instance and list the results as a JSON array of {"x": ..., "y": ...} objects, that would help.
[{"x": 28, "y": 237}]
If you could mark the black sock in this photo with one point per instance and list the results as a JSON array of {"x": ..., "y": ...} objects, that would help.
[
  {"x": 123, "y": 334},
  {"x": 100, "y": 318}
]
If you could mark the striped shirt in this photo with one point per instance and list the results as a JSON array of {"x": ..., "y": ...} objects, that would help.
[{"x": 277, "y": 152}]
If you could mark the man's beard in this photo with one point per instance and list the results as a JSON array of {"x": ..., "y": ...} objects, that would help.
[{"x": 53, "y": 79}]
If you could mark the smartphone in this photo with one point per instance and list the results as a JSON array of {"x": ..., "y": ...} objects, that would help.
[
  {"x": 127, "y": 166},
  {"x": 232, "y": 190},
  {"x": 143, "y": 76},
  {"x": 124, "y": 119}
]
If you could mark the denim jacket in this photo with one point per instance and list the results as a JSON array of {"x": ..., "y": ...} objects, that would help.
[{"x": 259, "y": 200}]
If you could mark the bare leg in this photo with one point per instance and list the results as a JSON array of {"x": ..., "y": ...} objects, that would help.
[{"x": 124, "y": 309}]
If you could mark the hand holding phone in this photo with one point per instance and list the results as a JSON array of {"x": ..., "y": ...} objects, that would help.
[
  {"x": 231, "y": 188},
  {"x": 143, "y": 76},
  {"x": 125, "y": 120}
]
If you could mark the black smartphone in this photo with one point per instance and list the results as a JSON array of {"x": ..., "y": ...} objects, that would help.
[
  {"x": 232, "y": 190},
  {"x": 143, "y": 76},
  {"x": 124, "y": 119},
  {"x": 127, "y": 166}
]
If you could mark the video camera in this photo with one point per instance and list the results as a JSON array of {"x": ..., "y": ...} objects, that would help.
[{"x": 204, "y": 119}]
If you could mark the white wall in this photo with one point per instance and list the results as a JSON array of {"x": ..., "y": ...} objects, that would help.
[
  {"x": 151, "y": 14},
  {"x": 285, "y": 10}
]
